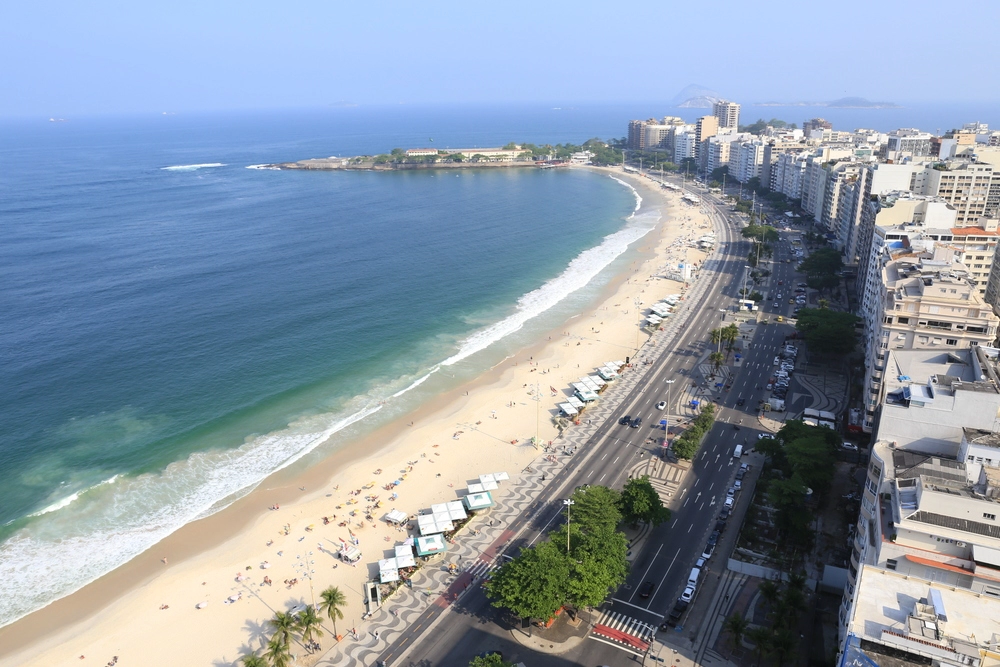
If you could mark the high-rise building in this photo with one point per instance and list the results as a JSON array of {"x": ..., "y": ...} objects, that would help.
[
  {"x": 707, "y": 126},
  {"x": 907, "y": 142},
  {"x": 727, "y": 113},
  {"x": 964, "y": 184},
  {"x": 816, "y": 124},
  {"x": 636, "y": 134},
  {"x": 685, "y": 144},
  {"x": 746, "y": 164}
]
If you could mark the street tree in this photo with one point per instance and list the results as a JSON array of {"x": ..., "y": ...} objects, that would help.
[
  {"x": 597, "y": 563},
  {"x": 641, "y": 503},
  {"x": 595, "y": 507},
  {"x": 736, "y": 625},
  {"x": 830, "y": 331},
  {"x": 534, "y": 584},
  {"x": 489, "y": 660},
  {"x": 716, "y": 358}
]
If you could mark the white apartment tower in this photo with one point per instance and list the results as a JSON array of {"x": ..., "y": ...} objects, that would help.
[{"x": 728, "y": 114}]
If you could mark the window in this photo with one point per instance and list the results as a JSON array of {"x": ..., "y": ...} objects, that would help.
[
  {"x": 891, "y": 563},
  {"x": 991, "y": 517},
  {"x": 992, "y": 591},
  {"x": 904, "y": 320},
  {"x": 952, "y": 341},
  {"x": 872, "y": 486}
]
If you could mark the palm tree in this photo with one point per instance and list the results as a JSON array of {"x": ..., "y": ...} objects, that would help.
[
  {"x": 736, "y": 625},
  {"x": 309, "y": 623},
  {"x": 253, "y": 660},
  {"x": 760, "y": 637},
  {"x": 332, "y": 601},
  {"x": 716, "y": 358},
  {"x": 782, "y": 644},
  {"x": 730, "y": 334},
  {"x": 284, "y": 625},
  {"x": 277, "y": 653},
  {"x": 716, "y": 337}
]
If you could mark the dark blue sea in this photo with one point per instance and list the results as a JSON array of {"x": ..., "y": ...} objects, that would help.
[{"x": 175, "y": 326}]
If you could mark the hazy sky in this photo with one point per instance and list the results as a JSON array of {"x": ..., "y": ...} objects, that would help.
[{"x": 111, "y": 57}]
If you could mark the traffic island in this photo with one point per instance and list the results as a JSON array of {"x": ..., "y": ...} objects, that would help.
[{"x": 564, "y": 632}]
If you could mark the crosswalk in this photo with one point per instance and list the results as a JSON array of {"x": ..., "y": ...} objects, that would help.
[
  {"x": 624, "y": 632},
  {"x": 480, "y": 568}
]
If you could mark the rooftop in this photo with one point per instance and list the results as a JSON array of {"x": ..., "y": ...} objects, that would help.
[{"x": 912, "y": 615}]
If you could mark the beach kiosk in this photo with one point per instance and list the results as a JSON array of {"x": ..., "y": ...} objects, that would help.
[
  {"x": 428, "y": 524},
  {"x": 387, "y": 570},
  {"x": 431, "y": 544},
  {"x": 568, "y": 410},
  {"x": 404, "y": 556},
  {"x": 478, "y": 501}
]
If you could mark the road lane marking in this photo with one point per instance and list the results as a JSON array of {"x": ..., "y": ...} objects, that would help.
[
  {"x": 690, "y": 527},
  {"x": 643, "y": 578}
]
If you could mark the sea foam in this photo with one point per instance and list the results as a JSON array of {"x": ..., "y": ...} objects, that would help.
[{"x": 192, "y": 167}]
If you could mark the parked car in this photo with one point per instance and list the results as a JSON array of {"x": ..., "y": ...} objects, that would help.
[
  {"x": 740, "y": 474},
  {"x": 720, "y": 526},
  {"x": 746, "y": 467},
  {"x": 737, "y": 485},
  {"x": 707, "y": 553},
  {"x": 724, "y": 514},
  {"x": 777, "y": 360},
  {"x": 849, "y": 446},
  {"x": 730, "y": 492},
  {"x": 713, "y": 539},
  {"x": 687, "y": 594},
  {"x": 700, "y": 563},
  {"x": 729, "y": 503},
  {"x": 769, "y": 386},
  {"x": 763, "y": 436}
]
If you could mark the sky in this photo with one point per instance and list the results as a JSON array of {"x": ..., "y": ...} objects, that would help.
[{"x": 107, "y": 57}]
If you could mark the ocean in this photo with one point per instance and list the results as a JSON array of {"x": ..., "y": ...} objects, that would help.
[{"x": 176, "y": 326}]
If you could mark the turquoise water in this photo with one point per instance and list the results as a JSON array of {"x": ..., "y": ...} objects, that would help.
[{"x": 173, "y": 333}]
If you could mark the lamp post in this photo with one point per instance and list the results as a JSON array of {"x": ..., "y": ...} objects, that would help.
[
  {"x": 667, "y": 439},
  {"x": 568, "y": 503}
]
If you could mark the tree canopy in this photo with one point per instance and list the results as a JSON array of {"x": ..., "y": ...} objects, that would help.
[
  {"x": 641, "y": 503},
  {"x": 489, "y": 660},
  {"x": 687, "y": 444},
  {"x": 830, "y": 331},
  {"x": 533, "y": 585},
  {"x": 822, "y": 268}
]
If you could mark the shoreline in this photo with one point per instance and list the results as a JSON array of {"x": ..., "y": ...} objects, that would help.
[{"x": 195, "y": 550}]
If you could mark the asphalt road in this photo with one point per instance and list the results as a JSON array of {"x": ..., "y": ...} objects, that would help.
[{"x": 471, "y": 626}]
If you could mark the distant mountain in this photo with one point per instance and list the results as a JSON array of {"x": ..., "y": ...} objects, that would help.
[
  {"x": 696, "y": 97},
  {"x": 860, "y": 103}
]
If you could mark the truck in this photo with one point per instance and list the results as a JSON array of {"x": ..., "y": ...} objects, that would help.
[{"x": 777, "y": 404}]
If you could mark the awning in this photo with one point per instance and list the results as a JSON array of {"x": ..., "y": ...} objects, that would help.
[
  {"x": 387, "y": 570},
  {"x": 404, "y": 556},
  {"x": 489, "y": 482},
  {"x": 396, "y": 516},
  {"x": 568, "y": 410},
  {"x": 452, "y": 511},
  {"x": 430, "y": 525},
  {"x": 350, "y": 553}
]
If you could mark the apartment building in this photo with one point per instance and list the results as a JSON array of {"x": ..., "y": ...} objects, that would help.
[
  {"x": 727, "y": 113},
  {"x": 707, "y": 126},
  {"x": 773, "y": 149},
  {"x": 816, "y": 124},
  {"x": 930, "y": 498},
  {"x": 685, "y": 142},
  {"x": 748, "y": 159},
  {"x": 906, "y": 143},
  {"x": 966, "y": 185}
]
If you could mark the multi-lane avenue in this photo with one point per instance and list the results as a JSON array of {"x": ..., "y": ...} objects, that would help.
[{"x": 452, "y": 636}]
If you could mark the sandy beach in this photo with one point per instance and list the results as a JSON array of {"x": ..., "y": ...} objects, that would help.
[{"x": 145, "y": 613}]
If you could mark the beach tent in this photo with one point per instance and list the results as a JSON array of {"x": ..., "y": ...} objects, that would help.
[
  {"x": 387, "y": 570},
  {"x": 610, "y": 369},
  {"x": 654, "y": 320},
  {"x": 396, "y": 516},
  {"x": 350, "y": 553},
  {"x": 568, "y": 410},
  {"x": 430, "y": 545},
  {"x": 451, "y": 511},
  {"x": 606, "y": 375},
  {"x": 584, "y": 393},
  {"x": 489, "y": 482},
  {"x": 596, "y": 379},
  {"x": 619, "y": 364},
  {"x": 476, "y": 488},
  {"x": 501, "y": 476},
  {"x": 429, "y": 525},
  {"x": 404, "y": 556},
  {"x": 478, "y": 501},
  {"x": 576, "y": 402}
]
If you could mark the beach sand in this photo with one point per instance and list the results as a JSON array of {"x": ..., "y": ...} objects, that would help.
[{"x": 481, "y": 427}]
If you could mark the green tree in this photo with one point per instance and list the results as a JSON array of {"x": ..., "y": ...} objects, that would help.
[
  {"x": 455, "y": 157},
  {"x": 828, "y": 330},
  {"x": 686, "y": 446},
  {"x": 489, "y": 660},
  {"x": 510, "y": 146},
  {"x": 598, "y": 563},
  {"x": 715, "y": 335},
  {"x": 718, "y": 173},
  {"x": 641, "y": 503},
  {"x": 284, "y": 625},
  {"x": 332, "y": 602},
  {"x": 730, "y": 335},
  {"x": 736, "y": 625},
  {"x": 783, "y": 644},
  {"x": 595, "y": 508},
  {"x": 761, "y": 233},
  {"x": 398, "y": 152},
  {"x": 760, "y": 637},
  {"x": 533, "y": 585},
  {"x": 277, "y": 653},
  {"x": 717, "y": 359},
  {"x": 253, "y": 660},
  {"x": 822, "y": 269},
  {"x": 309, "y": 624}
]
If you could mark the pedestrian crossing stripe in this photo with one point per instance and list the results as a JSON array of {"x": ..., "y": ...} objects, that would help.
[
  {"x": 626, "y": 632},
  {"x": 480, "y": 568}
]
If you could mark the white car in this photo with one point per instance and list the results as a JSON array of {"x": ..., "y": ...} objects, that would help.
[
  {"x": 729, "y": 503},
  {"x": 850, "y": 446},
  {"x": 661, "y": 405},
  {"x": 687, "y": 594},
  {"x": 764, "y": 436},
  {"x": 737, "y": 485},
  {"x": 777, "y": 360}
]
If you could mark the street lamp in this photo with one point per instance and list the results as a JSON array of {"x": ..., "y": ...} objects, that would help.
[
  {"x": 667, "y": 439},
  {"x": 568, "y": 503}
]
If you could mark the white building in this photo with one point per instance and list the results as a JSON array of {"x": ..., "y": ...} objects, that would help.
[{"x": 748, "y": 160}]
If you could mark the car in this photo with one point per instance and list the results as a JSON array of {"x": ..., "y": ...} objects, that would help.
[
  {"x": 764, "y": 436},
  {"x": 636, "y": 423},
  {"x": 647, "y": 589},
  {"x": 780, "y": 319},
  {"x": 625, "y": 420},
  {"x": 778, "y": 298},
  {"x": 700, "y": 563},
  {"x": 661, "y": 405},
  {"x": 849, "y": 446},
  {"x": 740, "y": 474},
  {"x": 687, "y": 594},
  {"x": 713, "y": 539},
  {"x": 796, "y": 311},
  {"x": 746, "y": 467},
  {"x": 729, "y": 503},
  {"x": 769, "y": 386},
  {"x": 777, "y": 360},
  {"x": 740, "y": 403},
  {"x": 791, "y": 301},
  {"x": 681, "y": 605},
  {"x": 724, "y": 514},
  {"x": 730, "y": 492},
  {"x": 737, "y": 485},
  {"x": 707, "y": 553},
  {"x": 720, "y": 526},
  {"x": 673, "y": 619}
]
